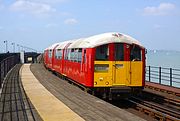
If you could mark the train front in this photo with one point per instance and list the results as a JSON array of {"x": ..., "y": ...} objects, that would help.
[{"x": 119, "y": 66}]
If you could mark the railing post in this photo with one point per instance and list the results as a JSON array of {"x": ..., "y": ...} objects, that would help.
[
  {"x": 4, "y": 69},
  {"x": 170, "y": 76},
  {"x": 159, "y": 75},
  {"x": 149, "y": 73},
  {"x": 0, "y": 76}
]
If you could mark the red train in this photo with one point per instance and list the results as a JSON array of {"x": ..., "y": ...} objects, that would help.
[{"x": 108, "y": 64}]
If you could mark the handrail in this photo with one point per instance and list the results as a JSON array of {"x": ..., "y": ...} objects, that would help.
[
  {"x": 6, "y": 65},
  {"x": 162, "y": 75}
]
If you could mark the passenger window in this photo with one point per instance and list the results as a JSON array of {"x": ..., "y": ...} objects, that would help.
[
  {"x": 136, "y": 53},
  {"x": 119, "y": 52},
  {"x": 79, "y": 55},
  {"x": 102, "y": 52},
  {"x": 58, "y": 54},
  {"x": 50, "y": 53},
  {"x": 84, "y": 56}
]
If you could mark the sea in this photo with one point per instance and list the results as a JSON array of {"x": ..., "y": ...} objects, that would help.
[{"x": 165, "y": 59}]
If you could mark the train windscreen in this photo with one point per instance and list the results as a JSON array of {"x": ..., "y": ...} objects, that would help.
[
  {"x": 136, "y": 54},
  {"x": 119, "y": 52},
  {"x": 102, "y": 53}
]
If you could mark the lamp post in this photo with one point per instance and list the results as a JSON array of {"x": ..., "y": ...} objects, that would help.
[
  {"x": 13, "y": 44},
  {"x": 6, "y": 45},
  {"x": 22, "y": 48}
]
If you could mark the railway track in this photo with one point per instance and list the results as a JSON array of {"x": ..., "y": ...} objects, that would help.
[
  {"x": 165, "y": 99},
  {"x": 157, "y": 111},
  {"x": 156, "y": 106}
]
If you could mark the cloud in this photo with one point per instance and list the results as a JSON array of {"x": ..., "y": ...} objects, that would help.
[
  {"x": 71, "y": 21},
  {"x": 162, "y": 9},
  {"x": 32, "y": 7}
]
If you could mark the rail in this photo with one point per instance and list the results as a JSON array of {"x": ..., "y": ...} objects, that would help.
[
  {"x": 6, "y": 64},
  {"x": 158, "y": 112},
  {"x": 165, "y": 76}
]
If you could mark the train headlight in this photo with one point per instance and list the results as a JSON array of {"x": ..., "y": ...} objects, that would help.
[
  {"x": 107, "y": 83},
  {"x": 101, "y": 67},
  {"x": 101, "y": 79},
  {"x": 95, "y": 83}
]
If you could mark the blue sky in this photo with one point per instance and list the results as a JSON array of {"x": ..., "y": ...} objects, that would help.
[{"x": 40, "y": 23}]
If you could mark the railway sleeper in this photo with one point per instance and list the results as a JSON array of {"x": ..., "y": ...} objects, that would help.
[{"x": 154, "y": 113}]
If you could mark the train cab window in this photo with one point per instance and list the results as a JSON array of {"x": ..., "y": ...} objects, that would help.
[
  {"x": 102, "y": 53},
  {"x": 136, "y": 53},
  {"x": 119, "y": 52}
]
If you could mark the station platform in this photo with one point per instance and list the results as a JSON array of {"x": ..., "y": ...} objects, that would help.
[
  {"x": 47, "y": 105},
  {"x": 36, "y": 94}
]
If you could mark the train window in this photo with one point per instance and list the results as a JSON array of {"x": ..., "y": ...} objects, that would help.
[
  {"x": 79, "y": 55},
  {"x": 136, "y": 53},
  {"x": 119, "y": 52},
  {"x": 76, "y": 55},
  {"x": 102, "y": 52},
  {"x": 58, "y": 54},
  {"x": 84, "y": 56},
  {"x": 50, "y": 53},
  {"x": 65, "y": 54},
  {"x": 69, "y": 54}
]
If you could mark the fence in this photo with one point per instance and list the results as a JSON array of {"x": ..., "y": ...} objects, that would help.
[
  {"x": 166, "y": 76},
  {"x": 6, "y": 64}
]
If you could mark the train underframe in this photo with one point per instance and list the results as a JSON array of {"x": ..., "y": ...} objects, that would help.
[
  {"x": 111, "y": 93},
  {"x": 107, "y": 93}
]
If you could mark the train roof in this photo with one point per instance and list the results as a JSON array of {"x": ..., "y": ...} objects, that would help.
[
  {"x": 101, "y": 39},
  {"x": 97, "y": 40},
  {"x": 52, "y": 46},
  {"x": 62, "y": 45}
]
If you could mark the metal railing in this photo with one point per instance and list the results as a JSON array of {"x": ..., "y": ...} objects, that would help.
[
  {"x": 6, "y": 64},
  {"x": 161, "y": 75}
]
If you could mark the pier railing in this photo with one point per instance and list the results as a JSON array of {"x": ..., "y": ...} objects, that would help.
[
  {"x": 6, "y": 65},
  {"x": 161, "y": 75}
]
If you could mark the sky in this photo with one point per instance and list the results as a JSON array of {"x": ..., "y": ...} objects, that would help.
[{"x": 39, "y": 23}]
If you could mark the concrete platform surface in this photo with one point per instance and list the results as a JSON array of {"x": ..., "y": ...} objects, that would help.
[{"x": 47, "y": 105}]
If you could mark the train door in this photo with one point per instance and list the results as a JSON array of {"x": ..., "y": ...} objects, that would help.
[
  {"x": 136, "y": 66},
  {"x": 121, "y": 68},
  {"x": 102, "y": 67}
]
